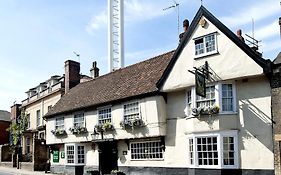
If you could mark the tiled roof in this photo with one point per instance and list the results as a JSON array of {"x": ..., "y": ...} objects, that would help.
[{"x": 132, "y": 81}]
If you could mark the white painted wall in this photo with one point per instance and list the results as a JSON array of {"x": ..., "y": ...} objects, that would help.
[
  {"x": 253, "y": 122},
  {"x": 230, "y": 62},
  {"x": 41, "y": 105},
  {"x": 152, "y": 111}
]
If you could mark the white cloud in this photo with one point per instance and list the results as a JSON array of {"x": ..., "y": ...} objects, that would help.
[
  {"x": 97, "y": 22},
  {"x": 134, "y": 11},
  {"x": 258, "y": 11},
  {"x": 271, "y": 45},
  {"x": 267, "y": 31},
  {"x": 141, "y": 10}
]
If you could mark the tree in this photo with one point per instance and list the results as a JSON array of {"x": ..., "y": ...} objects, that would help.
[{"x": 17, "y": 129}]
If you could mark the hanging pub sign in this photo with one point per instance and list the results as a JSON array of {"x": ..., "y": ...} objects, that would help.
[
  {"x": 200, "y": 84},
  {"x": 56, "y": 156}
]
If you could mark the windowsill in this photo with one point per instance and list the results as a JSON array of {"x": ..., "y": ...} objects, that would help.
[
  {"x": 196, "y": 57},
  {"x": 75, "y": 164},
  {"x": 213, "y": 167},
  {"x": 229, "y": 113},
  {"x": 190, "y": 116},
  {"x": 162, "y": 159}
]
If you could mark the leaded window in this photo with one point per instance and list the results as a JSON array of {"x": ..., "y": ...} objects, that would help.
[
  {"x": 104, "y": 115},
  {"x": 148, "y": 150},
  {"x": 79, "y": 120},
  {"x": 131, "y": 111}
]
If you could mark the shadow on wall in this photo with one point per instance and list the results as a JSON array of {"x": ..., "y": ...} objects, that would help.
[{"x": 255, "y": 124}]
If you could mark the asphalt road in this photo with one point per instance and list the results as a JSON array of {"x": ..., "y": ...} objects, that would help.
[{"x": 2, "y": 173}]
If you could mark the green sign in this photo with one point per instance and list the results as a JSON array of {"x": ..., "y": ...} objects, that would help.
[
  {"x": 62, "y": 155},
  {"x": 56, "y": 156}
]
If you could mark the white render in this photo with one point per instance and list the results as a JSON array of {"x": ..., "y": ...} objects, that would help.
[
  {"x": 152, "y": 110},
  {"x": 230, "y": 63}
]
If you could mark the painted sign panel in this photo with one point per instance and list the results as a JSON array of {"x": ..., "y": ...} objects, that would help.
[{"x": 56, "y": 156}]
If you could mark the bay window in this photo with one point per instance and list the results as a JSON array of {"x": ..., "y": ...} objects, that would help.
[
  {"x": 210, "y": 99},
  {"x": 213, "y": 150},
  {"x": 222, "y": 95}
]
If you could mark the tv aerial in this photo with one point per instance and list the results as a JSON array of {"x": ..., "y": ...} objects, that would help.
[{"x": 177, "y": 6}]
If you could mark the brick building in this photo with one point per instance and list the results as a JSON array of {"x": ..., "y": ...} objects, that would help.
[
  {"x": 276, "y": 112},
  {"x": 5, "y": 120}
]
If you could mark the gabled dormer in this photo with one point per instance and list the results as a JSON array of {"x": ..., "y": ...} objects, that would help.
[{"x": 207, "y": 39}]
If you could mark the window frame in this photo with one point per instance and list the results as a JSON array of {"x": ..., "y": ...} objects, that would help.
[
  {"x": 28, "y": 146},
  {"x": 218, "y": 98},
  {"x": 75, "y": 154},
  {"x": 38, "y": 118},
  {"x": 104, "y": 119},
  {"x": 149, "y": 159},
  {"x": 220, "y": 135},
  {"x": 131, "y": 102},
  {"x": 84, "y": 120},
  {"x": 28, "y": 120},
  {"x": 204, "y": 43},
  {"x": 57, "y": 126}
]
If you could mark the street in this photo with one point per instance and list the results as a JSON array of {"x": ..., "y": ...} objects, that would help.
[{"x": 5, "y": 173}]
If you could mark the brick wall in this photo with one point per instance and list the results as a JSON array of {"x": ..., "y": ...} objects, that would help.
[
  {"x": 4, "y": 134},
  {"x": 276, "y": 116}
]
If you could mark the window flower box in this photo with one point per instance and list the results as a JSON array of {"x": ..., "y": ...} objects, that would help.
[
  {"x": 107, "y": 126},
  {"x": 211, "y": 110},
  {"x": 132, "y": 123},
  {"x": 58, "y": 132},
  {"x": 78, "y": 130}
]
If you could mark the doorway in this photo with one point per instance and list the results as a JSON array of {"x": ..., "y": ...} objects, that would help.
[{"x": 108, "y": 156}]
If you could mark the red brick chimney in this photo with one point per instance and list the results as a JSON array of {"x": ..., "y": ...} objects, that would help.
[
  {"x": 239, "y": 35},
  {"x": 94, "y": 70},
  {"x": 72, "y": 74},
  {"x": 15, "y": 112}
]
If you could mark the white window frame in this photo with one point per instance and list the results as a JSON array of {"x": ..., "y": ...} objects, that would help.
[
  {"x": 75, "y": 153},
  {"x": 28, "y": 121},
  {"x": 84, "y": 120},
  {"x": 58, "y": 126},
  {"x": 219, "y": 135},
  {"x": 204, "y": 43},
  {"x": 148, "y": 159},
  {"x": 139, "y": 110},
  {"x": 28, "y": 146},
  {"x": 101, "y": 121},
  {"x": 38, "y": 123},
  {"x": 234, "y": 97},
  {"x": 218, "y": 98}
]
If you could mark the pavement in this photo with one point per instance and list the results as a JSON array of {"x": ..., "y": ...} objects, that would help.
[{"x": 15, "y": 171}]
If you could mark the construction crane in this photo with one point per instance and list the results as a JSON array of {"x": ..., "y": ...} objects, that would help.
[
  {"x": 177, "y": 6},
  {"x": 115, "y": 34}
]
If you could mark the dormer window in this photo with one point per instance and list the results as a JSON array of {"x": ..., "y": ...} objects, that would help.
[{"x": 205, "y": 45}]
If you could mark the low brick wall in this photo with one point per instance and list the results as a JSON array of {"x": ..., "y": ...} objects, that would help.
[{"x": 6, "y": 164}]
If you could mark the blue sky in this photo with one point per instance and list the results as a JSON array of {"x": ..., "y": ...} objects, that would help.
[{"x": 37, "y": 36}]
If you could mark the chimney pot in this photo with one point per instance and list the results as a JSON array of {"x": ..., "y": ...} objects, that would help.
[
  {"x": 239, "y": 35},
  {"x": 185, "y": 28},
  {"x": 95, "y": 70}
]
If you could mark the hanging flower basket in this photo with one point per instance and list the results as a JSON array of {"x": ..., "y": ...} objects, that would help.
[
  {"x": 78, "y": 130},
  {"x": 132, "y": 123},
  {"x": 107, "y": 126},
  {"x": 58, "y": 132},
  {"x": 211, "y": 110}
]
